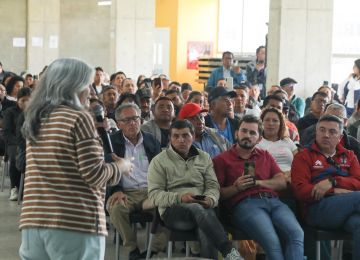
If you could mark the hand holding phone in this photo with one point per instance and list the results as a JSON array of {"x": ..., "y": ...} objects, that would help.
[
  {"x": 199, "y": 197},
  {"x": 249, "y": 168}
]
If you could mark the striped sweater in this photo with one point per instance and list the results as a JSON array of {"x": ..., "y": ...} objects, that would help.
[{"x": 66, "y": 175}]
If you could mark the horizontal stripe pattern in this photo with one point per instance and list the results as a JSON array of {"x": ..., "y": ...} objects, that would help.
[{"x": 66, "y": 175}]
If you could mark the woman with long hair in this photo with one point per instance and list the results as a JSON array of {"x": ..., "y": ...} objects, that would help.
[
  {"x": 276, "y": 139},
  {"x": 62, "y": 215}
]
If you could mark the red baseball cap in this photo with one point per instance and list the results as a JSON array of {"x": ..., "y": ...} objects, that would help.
[{"x": 190, "y": 110}]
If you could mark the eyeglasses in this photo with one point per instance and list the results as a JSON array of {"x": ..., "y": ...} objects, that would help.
[{"x": 128, "y": 120}]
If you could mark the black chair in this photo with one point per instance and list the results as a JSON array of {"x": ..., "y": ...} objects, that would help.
[
  {"x": 319, "y": 235},
  {"x": 135, "y": 217},
  {"x": 174, "y": 235}
]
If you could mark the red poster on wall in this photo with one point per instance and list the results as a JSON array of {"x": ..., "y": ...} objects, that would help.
[{"x": 196, "y": 50}]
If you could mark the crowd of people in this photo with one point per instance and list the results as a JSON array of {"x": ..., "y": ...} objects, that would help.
[{"x": 183, "y": 152}]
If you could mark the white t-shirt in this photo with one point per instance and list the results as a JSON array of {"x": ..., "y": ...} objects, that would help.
[{"x": 281, "y": 150}]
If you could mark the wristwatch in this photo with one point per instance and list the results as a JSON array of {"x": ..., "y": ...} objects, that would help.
[{"x": 333, "y": 182}]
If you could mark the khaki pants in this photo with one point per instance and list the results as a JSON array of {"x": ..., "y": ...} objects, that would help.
[{"x": 119, "y": 214}]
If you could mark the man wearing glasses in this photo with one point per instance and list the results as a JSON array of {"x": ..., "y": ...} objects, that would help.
[
  {"x": 130, "y": 194},
  {"x": 206, "y": 139},
  {"x": 326, "y": 180}
]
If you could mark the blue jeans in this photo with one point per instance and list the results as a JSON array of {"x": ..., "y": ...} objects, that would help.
[
  {"x": 338, "y": 211},
  {"x": 269, "y": 221},
  {"x": 50, "y": 243}
]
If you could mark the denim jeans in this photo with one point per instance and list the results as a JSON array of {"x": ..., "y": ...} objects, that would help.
[
  {"x": 210, "y": 231},
  {"x": 271, "y": 223},
  {"x": 338, "y": 211},
  {"x": 50, "y": 243}
]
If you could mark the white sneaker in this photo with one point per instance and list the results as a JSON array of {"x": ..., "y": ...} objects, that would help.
[
  {"x": 14, "y": 194},
  {"x": 233, "y": 255}
]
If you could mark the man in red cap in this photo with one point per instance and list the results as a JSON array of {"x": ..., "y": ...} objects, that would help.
[{"x": 206, "y": 139}]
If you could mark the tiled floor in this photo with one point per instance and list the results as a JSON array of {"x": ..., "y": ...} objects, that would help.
[{"x": 10, "y": 236}]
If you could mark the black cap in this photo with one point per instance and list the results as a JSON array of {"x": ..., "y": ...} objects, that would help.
[
  {"x": 220, "y": 92},
  {"x": 143, "y": 93},
  {"x": 287, "y": 81}
]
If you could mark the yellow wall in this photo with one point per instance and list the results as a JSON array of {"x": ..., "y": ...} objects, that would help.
[{"x": 188, "y": 20}]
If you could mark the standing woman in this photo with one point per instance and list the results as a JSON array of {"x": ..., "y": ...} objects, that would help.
[
  {"x": 62, "y": 214},
  {"x": 276, "y": 139},
  {"x": 349, "y": 90}
]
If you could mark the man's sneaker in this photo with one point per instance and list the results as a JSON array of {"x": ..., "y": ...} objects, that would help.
[
  {"x": 233, "y": 255},
  {"x": 13, "y": 194}
]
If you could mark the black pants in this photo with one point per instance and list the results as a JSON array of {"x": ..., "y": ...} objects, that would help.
[
  {"x": 211, "y": 233},
  {"x": 15, "y": 174}
]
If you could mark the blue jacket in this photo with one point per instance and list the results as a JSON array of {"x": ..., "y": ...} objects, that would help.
[{"x": 218, "y": 73}]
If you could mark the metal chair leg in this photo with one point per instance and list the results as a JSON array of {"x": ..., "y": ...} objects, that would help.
[
  {"x": 187, "y": 248},
  {"x": 148, "y": 253},
  {"x": 117, "y": 242},
  {"x": 318, "y": 249},
  {"x": 170, "y": 245}
]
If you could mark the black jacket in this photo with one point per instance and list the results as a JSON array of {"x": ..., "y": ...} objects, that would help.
[
  {"x": 234, "y": 123},
  {"x": 350, "y": 142},
  {"x": 305, "y": 122},
  {"x": 151, "y": 146}
]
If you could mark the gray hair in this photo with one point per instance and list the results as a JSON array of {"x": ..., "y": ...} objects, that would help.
[
  {"x": 60, "y": 84},
  {"x": 338, "y": 107},
  {"x": 125, "y": 106},
  {"x": 331, "y": 118}
]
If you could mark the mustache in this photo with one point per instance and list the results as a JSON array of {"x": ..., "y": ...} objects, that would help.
[{"x": 245, "y": 139}]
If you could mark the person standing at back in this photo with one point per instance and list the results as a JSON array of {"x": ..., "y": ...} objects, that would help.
[{"x": 62, "y": 215}]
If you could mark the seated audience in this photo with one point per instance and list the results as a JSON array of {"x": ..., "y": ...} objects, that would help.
[
  {"x": 326, "y": 179},
  {"x": 116, "y": 79},
  {"x": 241, "y": 103},
  {"x": 175, "y": 177},
  {"x": 277, "y": 102},
  {"x": 186, "y": 89},
  {"x": 272, "y": 89},
  {"x": 175, "y": 97},
  {"x": 159, "y": 126},
  {"x": 143, "y": 96},
  {"x": 354, "y": 122},
  {"x": 347, "y": 141},
  {"x": 99, "y": 79},
  {"x": 276, "y": 139},
  {"x": 128, "y": 86},
  {"x": 110, "y": 97},
  {"x": 326, "y": 89},
  {"x": 220, "y": 110},
  {"x": 249, "y": 178},
  {"x": 130, "y": 194},
  {"x": 206, "y": 139},
  {"x": 317, "y": 108},
  {"x": 197, "y": 98},
  {"x": 288, "y": 85}
]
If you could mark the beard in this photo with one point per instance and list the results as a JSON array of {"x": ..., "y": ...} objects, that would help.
[{"x": 246, "y": 144}]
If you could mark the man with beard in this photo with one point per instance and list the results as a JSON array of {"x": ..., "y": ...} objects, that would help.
[
  {"x": 221, "y": 107},
  {"x": 159, "y": 126},
  {"x": 144, "y": 99},
  {"x": 130, "y": 194},
  {"x": 249, "y": 178}
]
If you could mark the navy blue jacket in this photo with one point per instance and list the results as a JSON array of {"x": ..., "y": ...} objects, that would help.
[{"x": 151, "y": 146}]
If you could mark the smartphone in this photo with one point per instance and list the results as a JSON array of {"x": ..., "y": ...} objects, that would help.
[
  {"x": 157, "y": 82},
  {"x": 229, "y": 83},
  {"x": 199, "y": 197},
  {"x": 249, "y": 168}
]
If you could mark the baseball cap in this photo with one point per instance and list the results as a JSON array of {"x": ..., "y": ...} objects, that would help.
[
  {"x": 220, "y": 92},
  {"x": 190, "y": 110},
  {"x": 287, "y": 81},
  {"x": 143, "y": 93}
]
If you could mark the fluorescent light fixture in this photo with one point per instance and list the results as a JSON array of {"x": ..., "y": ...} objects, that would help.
[{"x": 103, "y": 3}]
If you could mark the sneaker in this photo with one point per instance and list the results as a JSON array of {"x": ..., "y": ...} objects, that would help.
[
  {"x": 13, "y": 194},
  {"x": 233, "y": 255}
]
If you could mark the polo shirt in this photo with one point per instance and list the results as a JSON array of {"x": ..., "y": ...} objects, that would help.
[{"x": 229, "y": 166}]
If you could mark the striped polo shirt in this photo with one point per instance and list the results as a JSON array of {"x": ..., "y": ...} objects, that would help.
[{"x": 66, "y": 175}]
